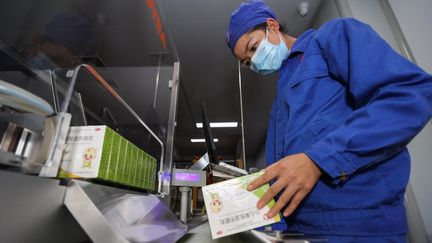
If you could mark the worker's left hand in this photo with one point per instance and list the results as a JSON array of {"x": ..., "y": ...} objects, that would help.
[{"x": 296, "y": 175}]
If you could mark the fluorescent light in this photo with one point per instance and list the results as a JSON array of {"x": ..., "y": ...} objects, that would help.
[
  {"x": 202, "y": 140},
  {"x": 219, "y": 124}
]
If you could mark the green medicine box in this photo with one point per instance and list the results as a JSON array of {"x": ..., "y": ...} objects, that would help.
[{"x": 100, "y": 153}]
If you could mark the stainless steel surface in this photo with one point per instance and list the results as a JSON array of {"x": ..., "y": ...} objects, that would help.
[
  {"x": 8, "y": 136},
  {"x": 241, "y": 115},
  {"x": 34, "y": 133},
  {"x": 229, "y": 169},
  {"x": 184, "y": 209},
  {"x": 50, "y": 168},
  {"x": 11, "y": 159},
  {"x": 81, "y": 107},
  {"x": 62, "y": 116},
  {"x": 7, "y": 154},
  {"x": 88, "y": 216},
  {"x": 28, "y": 141},
  {"x": 201, "y": 163},
  {"x": 288, "y": 237},
  {"x": 195, "y": 221},
  {"x": 201, "y": 234},
  {"x": 28, "y": 120},
  {"x": 54, "y": 91},
  {"x": 261, "y": 236},
  {"x": 157, "y": 82},
  {"x": 164, "y": 185},
  {"x": 32, "y": 211}
]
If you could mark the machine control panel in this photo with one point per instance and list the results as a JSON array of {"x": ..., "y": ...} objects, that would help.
[{"x": 192, "y": 178}]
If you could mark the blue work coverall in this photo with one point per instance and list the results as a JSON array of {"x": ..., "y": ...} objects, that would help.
[{"x": 352, "y": 104}]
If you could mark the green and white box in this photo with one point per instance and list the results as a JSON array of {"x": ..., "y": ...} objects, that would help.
[
  {"x": 232, "y": 209},
  {"x": 99, "y": 152}
]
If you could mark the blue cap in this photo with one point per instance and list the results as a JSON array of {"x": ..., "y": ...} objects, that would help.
[
  {"x": 72, "y": 31},
  {"x": 245, "y": 18}
]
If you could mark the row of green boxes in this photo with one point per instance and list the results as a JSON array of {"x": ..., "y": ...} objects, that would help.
[{"x": 99, "y": 152}]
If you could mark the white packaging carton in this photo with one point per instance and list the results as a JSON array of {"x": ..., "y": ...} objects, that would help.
[{"x": 232, "y": 209}]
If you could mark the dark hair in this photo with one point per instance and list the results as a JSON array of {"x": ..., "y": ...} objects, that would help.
[{"x": 263, "y": 27}]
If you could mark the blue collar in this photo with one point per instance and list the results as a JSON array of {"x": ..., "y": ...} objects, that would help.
[
  {"x": 300, "y": 45},
  {"x": 302, "y": 42}
]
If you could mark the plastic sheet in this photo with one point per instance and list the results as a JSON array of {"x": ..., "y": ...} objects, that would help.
[{"x": 143, "y": 219}]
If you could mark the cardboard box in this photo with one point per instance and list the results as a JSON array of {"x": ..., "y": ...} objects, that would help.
[
  {"x": 232, "y": 209},
  {"x": 99, "y": 152}
]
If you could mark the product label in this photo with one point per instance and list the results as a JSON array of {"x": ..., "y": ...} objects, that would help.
[
  {"x": 232, "y": 209},
  {"x": 82, "y": 154}
]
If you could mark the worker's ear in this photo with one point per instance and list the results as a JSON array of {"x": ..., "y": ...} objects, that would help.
[{"x": 272, "y": 24}]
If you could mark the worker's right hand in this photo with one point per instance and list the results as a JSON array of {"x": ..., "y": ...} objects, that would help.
[{"x": 296, "y": 175}]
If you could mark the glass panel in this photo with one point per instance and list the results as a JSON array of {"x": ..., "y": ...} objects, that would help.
[
  {"x": 42, "y": 41},
  {"x": 63, "y": 33}
]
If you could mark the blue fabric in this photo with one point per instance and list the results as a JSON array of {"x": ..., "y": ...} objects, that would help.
[
  {"x": 401, "y": 238},
  {"x": 246, "y": 17},
  {"x": 352, "y": 104}
]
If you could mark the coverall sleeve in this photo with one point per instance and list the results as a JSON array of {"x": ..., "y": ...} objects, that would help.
[{"x": 391, "y": 96}]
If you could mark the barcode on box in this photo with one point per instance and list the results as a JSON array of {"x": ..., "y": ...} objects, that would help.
[{"x": 238, "y": 217}]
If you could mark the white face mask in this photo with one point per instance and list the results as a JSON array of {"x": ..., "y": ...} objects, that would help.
[{"x": 268, "y": 57}]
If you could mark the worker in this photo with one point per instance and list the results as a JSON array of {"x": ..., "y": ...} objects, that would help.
[
  {"x": 66, "y": 38},
  {"x": 346, "y": 107}
]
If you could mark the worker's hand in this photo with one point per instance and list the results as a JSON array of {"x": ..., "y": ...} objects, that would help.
[{"x": 296, "y": 175}]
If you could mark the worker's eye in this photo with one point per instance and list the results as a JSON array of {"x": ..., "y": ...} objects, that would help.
[{"x": 254, "y": 47}]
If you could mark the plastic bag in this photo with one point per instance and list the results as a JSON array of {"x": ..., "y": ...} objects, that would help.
[{"x": 142, "y": 218}]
